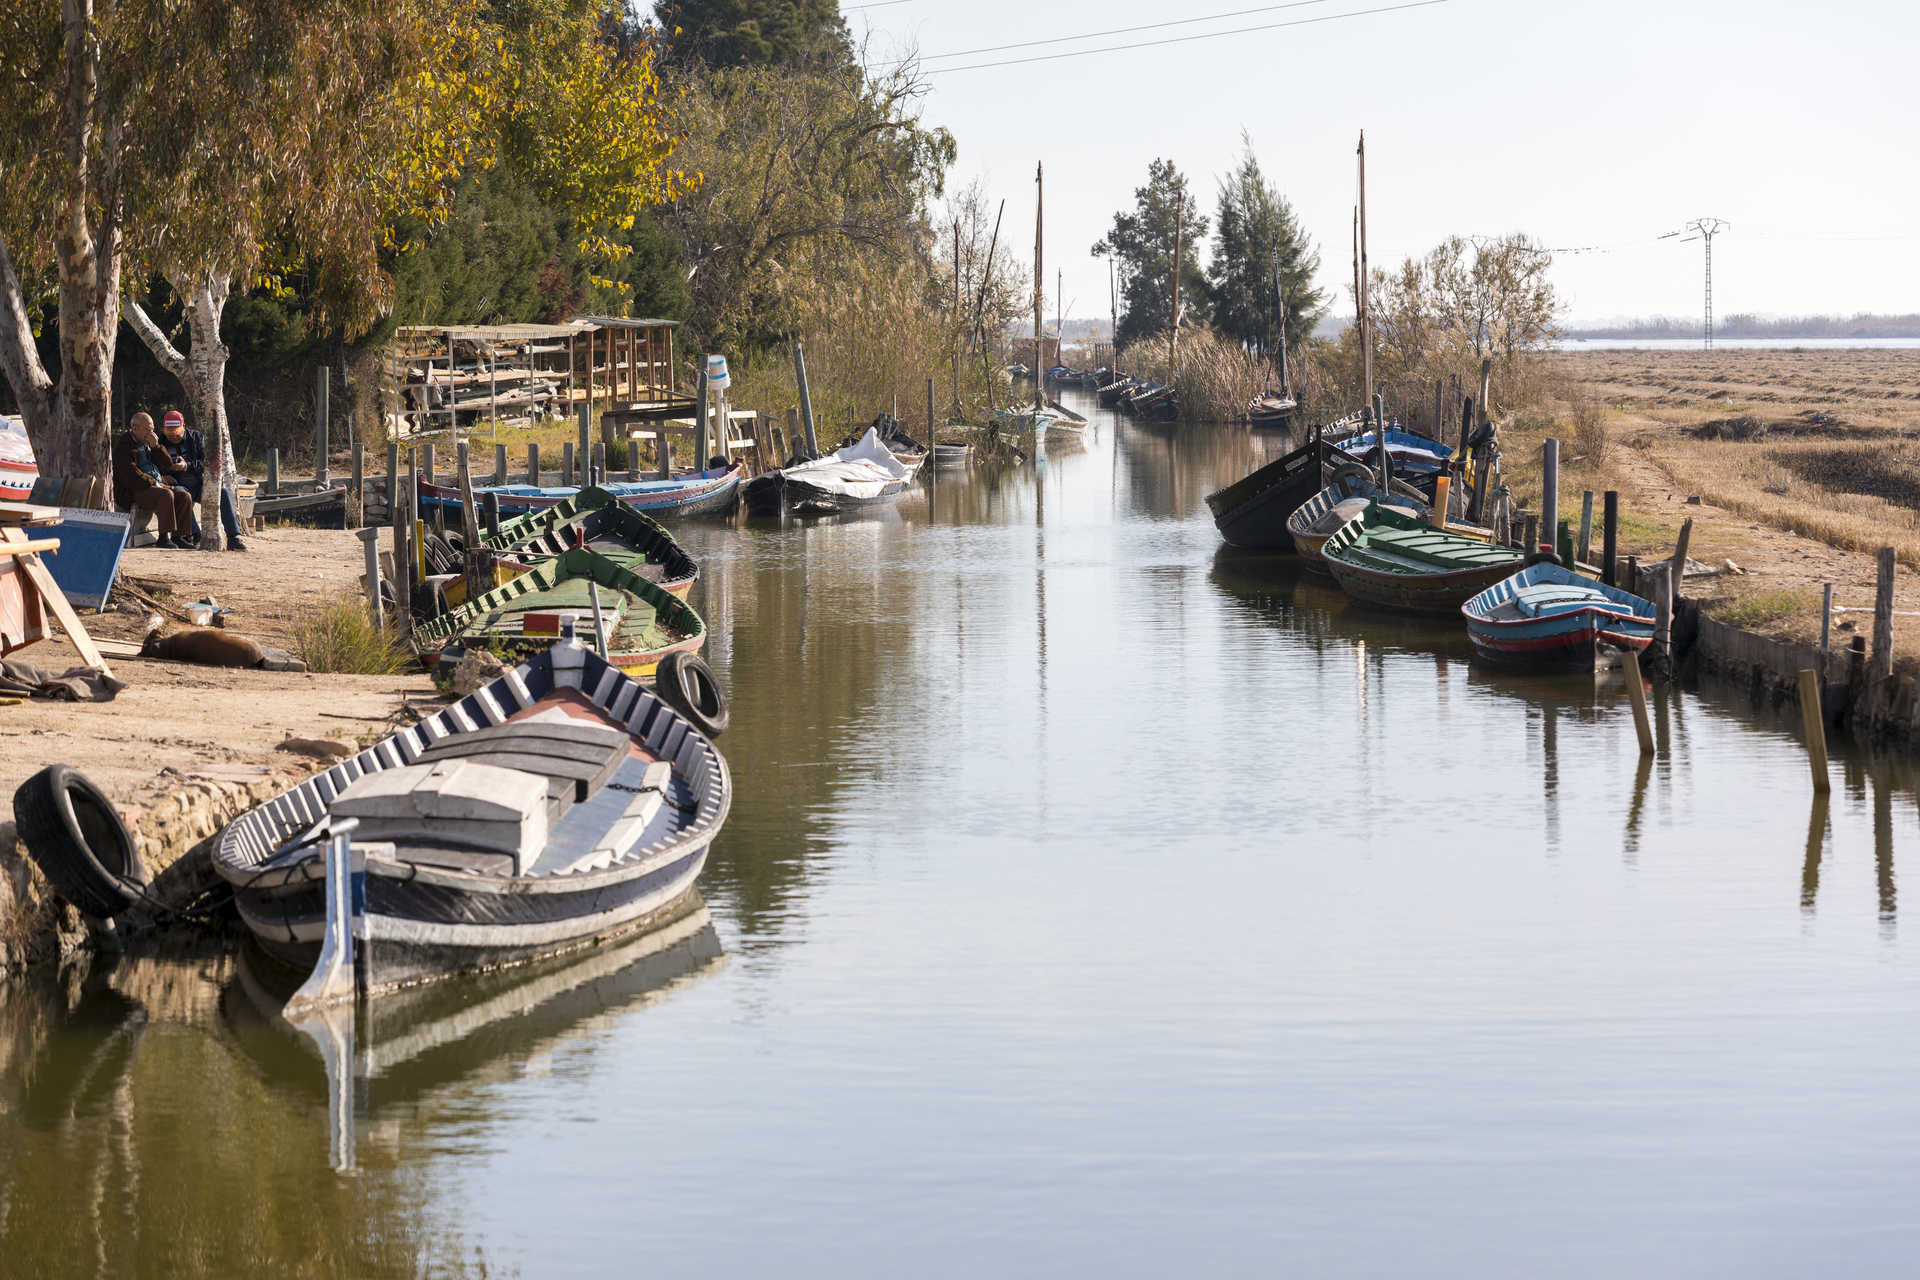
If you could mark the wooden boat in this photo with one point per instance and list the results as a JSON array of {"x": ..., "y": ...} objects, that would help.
[
  {"x": 1115, "y": 391},
  {"x": 1411, "y": 455},
  {"x": 1320, "y": 517},
  {"x": 952, "y": 455},
  {"x": 599, "y": 521},
  {"x": 561, "y": 805},
  {"x": 1548, "y": 616},
  {"x": 1061, "y": 420},
  {"x": 1387, "y": 557},
  {"x": 708, "y": 492},
  {"x": 642, "y": 622},
  {"x": 1270, "y": 409},
  {"x": 1252, "y": 512},
  {"x": 18, "y": 470},
  {"x": 862, "y": 474},
  {"x": 319, "y": 508}
]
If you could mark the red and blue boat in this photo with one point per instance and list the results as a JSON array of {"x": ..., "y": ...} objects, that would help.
[{"x": 1548, "y": 617}]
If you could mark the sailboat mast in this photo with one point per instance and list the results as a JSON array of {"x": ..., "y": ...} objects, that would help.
[
  {"x": 1280, "y": 320},
  {"x": 1365, "y": 287},
  {"x": 1039, "y": 288}
]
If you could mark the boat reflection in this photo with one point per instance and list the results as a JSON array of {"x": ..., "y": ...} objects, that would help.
[{"x": 411, "y": 1043}]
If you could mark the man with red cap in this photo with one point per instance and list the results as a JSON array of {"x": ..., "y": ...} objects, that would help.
[
  {"x": 139, "y": 481},
  {"x": 186, "y": 461}
]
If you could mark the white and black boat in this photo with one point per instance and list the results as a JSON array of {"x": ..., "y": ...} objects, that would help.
[
  {"x": 862, "y": 474},
  {"x": 558, "y": 806}
]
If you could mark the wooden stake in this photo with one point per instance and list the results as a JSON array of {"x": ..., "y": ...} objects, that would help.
[
  {"x": 533, "y": 464},
  {"x": 1815, "y": 725},
  {"x": 376, "y": 607},
  {"x": 1637, "y": 696},
  {"x": 1826, "y": 622},
  {"x": 1680, "y": 551},
  {"x": 1610, "y": 539},
  {"x": 1883, "y": 619},
  {"x": 1584, "y": 546}
]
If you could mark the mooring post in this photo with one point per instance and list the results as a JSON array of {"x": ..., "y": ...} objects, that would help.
[
  {"x": 1883, "y": 622},
  {"x": 633, "y": 460},
  {"x": 806, "y": 398},
  {"x": 1856, "y": 666},
  {"x": 490, "y": 505},
  {"x": 1380, "y": 437},
  {"x": 402, "y": 561},
  {"x": 499, "y": 464},
  {"x": 1633, "y": 574},
  {"x": 478, "y": 561},
  {"x": 273, "y": 471},
  {"x": 320, "y": 387},
  {"x": 426, "y": 463},
  {"x": 1584, "y": 547},
  {"x": 666, "y": 453},
  {"x": 1680, "y": 552},
  {"x": 1610, "y": 539},
  {"x": 1815, "y": 725},
  {"x": 1663, "y": 611},
  {"x": 933, "y": 469},
  {"x": 358, "y": 488},
  {"x": 1826, "y": 625},
  {"x": 1637, "y": 695},
  {"x": 702, "y": 406},
  {"x": 393, "y": 476},
  {"x": 1439, "y": 408},
  {"x": 1549, "y": 495},
  {"x": 533, "y": 464},
  {"x": 1530, "y": 532},
  {"x": 566, "y": 463},
  {"x": 586, "y": 434},
  {"x": 376, "y": 607}
]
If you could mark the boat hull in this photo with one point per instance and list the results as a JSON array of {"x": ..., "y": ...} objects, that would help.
[
  {"x": 1441, "y": 593},
  {"x": 1584, "y": 620},
  {"x": 1252, "y": 513},
  {"x": 705, "y": 493}
]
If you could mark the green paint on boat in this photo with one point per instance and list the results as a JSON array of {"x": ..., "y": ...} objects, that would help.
[{"x": 1387, "y": 557}]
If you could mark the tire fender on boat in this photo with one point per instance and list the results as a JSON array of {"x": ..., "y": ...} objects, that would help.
[
  {"x": 1541, "y": 557},
  {"x": 687, "y": 684},
  {"x": 78, "y": 841}
]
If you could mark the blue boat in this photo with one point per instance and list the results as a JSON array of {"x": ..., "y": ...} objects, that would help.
[
  {"x": 1412, "y": 455},
  {"x": 1547, "y": 616},
  {"x": 695, "y": 493}
]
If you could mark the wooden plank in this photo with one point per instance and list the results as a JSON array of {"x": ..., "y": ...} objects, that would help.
[
  {"x": 16, "y": 514},
  {"x": 55, "y": 601}
]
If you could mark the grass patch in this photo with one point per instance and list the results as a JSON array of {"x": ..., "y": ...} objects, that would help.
[
  {"x": 342, "y": 640},
  {"x": 1761, "y": 608}
]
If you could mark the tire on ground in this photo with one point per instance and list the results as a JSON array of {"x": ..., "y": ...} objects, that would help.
[{"x": 78, "y": 841}]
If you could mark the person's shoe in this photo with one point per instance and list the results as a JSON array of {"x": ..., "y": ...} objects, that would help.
[
  {"x": 165, "y": 542},
  {"x": 234, "y": 544}
]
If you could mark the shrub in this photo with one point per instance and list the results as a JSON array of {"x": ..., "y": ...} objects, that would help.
[{"x": 342, "y": 640}]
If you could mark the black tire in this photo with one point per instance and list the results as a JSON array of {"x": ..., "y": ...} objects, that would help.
[
  {"x": 687, "y": 684},
  {"x": 1542, "y": 557},
  {"x": 1351, "y": 471},
  {"x": 76, "y": 837}
]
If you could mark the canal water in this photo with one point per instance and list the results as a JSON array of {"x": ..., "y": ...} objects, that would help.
[{"x": 1093, "y": 902}]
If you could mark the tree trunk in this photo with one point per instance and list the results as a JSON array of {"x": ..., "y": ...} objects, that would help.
[{"x": 202, "y": 374}]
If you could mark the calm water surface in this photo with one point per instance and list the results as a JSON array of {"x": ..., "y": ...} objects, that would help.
[{"x": 1093, "y": 903}]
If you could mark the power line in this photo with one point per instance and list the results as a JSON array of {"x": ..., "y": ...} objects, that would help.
[
  {"x": 1210, "y": 35},
  {"x": 1706, "y": 229},
  {"x": 1116, "y": 31}
]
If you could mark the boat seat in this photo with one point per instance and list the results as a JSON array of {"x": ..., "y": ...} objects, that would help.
[
  {"x": 572, "y": 757},
  {"x": 1546, "y": 601}
]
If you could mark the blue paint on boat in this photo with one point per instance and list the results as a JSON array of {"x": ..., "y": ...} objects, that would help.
[{"x": 1546, "y": 615}]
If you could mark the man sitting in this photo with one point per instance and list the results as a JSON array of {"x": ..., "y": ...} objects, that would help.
[
  {"x": 138, "y": 482},
  {"x": 186, "y": 458}
]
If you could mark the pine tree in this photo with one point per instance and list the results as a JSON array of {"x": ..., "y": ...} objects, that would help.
[
  {"x": 1255, "y": 224},
  {"x": 1141, "y": 242}
]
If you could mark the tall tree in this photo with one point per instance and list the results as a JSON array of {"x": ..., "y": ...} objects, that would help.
[
  {"x": 1255, "y": 227},
  {"x": 1141, "y": 242},
  {"x": 755, "y": 33}
]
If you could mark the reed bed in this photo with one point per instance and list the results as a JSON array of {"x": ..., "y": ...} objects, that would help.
[{"x": 1214, "y": 376}]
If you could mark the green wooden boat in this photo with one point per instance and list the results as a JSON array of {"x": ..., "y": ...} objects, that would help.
[
  {"x": 644, "y": 622},
  {"x": 598, "y": 520},
  {"x": 1387, "y": 557}
]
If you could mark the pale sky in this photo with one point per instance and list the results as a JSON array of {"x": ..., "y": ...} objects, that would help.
[{"x": 1581, "y": 124}]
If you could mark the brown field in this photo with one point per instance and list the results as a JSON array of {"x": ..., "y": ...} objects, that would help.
[{"x": 1804, "y": 463}]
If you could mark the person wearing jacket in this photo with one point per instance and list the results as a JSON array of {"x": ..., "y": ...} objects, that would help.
[
  {"x": 140, "y": 483},
  {"x": 186, "y": 458}
]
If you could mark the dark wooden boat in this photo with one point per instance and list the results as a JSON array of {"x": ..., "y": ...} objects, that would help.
[
  {"x": 952, "y": 455},
  {"x": 1115, "y": 391},
  {"x": 319, "y": 509},
  {"x": 862, "y": 474},
  {"x": 1322, "y": 515},
  {"x": 642, "y": 622},
  {"x": 561, "y": 805},
  {"x": 1252, "y": 512},
  {"x": 1389, "y": 558},
  {"x": 1548, "y": 617},
  {"x": 1270, "y": 409},
  {"x": 709, "y": 492},
  {"x": 599, "y": 521}
]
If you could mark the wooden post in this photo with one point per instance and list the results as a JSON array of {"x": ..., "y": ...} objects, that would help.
[
  {"x": 357, "y": 493},
  {"x": 633, "y": 455},
  {"x": 1530, "y": 539},
  {"x": 478, "y": 564},
  {"x": 1173, "y": 322},
  {"x": 1380, "y": 438},
  {"x": 1826, "y": 624},
  {"x": 1364, "y": 312},
  {"x": 376, "y": 607},
  {"x": 586, "y": 435},
  {"x": 1663, "y": 611},
  {"x": 806, "y": 402},
  {"x": 666, "y": 453},
  {"x": 1637, "y": 695},
  {"x": 1610, "y": 539},
  {"x": 320, "y": 387},
  {"x": 499, "y": 464},
  {"x": 490, "y": 509},
  {"x": 393, "y": 476},
  {"x": 933, "y": 469},
  {"x": 1439, "y": 408},
  {"x": 1632, "y": 582},
  {"x": 1857, "y": 665},
  {"x": 402, "y": 513},
  {"x": 701, "y": 405},
  {"x": 427, "y": 466},
  {"x": 273, "y": 471},
  {"x": 1815, "y": 725},
  {"x": 1584, "y": 547},
  {"x": 1549, "y": 496},
  {"x": 533, "y": 464},
  {"x": 1039, "y": 361},
  {"x": 598, "y": 472},
  {"x": 566, "y": 463},
  {"x": 1680, "y": 552},
  {"x": 1883, "y": 620}
]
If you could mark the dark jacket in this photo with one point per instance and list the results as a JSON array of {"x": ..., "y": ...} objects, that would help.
[
  {"x": 192, "y": 450},
  {"x": 134, "y": 470}
]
